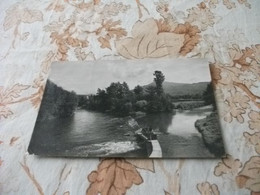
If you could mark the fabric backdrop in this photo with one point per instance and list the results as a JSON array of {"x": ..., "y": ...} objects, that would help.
[{"x": 35, "y": 33}]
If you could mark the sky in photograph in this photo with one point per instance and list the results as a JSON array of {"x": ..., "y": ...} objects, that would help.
[{"x": 87, "y": 77}]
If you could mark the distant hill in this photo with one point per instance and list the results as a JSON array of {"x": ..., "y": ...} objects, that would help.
[{"x": 180, "y": 89}]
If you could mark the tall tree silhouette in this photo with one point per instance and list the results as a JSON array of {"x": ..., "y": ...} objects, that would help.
[
  {"x": 208, "y": 96},
  {"x": 159, "y": 79}
]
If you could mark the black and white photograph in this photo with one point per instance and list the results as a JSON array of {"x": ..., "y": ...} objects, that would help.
[{"x": 129, "y": 108}]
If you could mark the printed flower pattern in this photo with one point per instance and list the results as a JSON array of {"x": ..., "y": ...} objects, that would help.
[
  {"x": 249, "y": 176},
  {"x": 228, "y": 165},
  {"x": 93, "y": 19},
  {"x": 254, "y": 122},
  {"x": 9, "y": 96},
  {"x": 254, "y": 140},
  {"x": 113, "y": 177},
  {"x": 237, "y": 79},
  {"x": 201, "y": 16},
  {"x": 17, "y": 15},
  {"x": 208, "y": 189},
  {"x": 147, "y": 43}
]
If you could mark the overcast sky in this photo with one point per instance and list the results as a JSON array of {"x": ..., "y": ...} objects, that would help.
[{"x": 87, "y": 77}]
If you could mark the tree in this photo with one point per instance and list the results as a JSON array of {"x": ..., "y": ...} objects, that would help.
[
  {"x": 138, "y": 90},
  {"x": 208, "y": 96},
  {"x": 57, "y": 102},
  {"x": 159, "y": 79},
  {"x": 140, "y": 105},
  {"x": 151, "y": 90},
  {"x": 69, "y": 104},
  {"x": 102, "y": 100},
  {"x": 119, "y": 100},
  {"x": 117, "y": 90}
]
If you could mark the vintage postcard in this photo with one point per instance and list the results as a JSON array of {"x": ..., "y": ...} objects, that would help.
[{"x": 129, "y": 108}]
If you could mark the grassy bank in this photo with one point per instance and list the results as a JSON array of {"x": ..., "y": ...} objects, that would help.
[
  {"x": 188, "y": 105},
  {"x": 210, "y": 130}
]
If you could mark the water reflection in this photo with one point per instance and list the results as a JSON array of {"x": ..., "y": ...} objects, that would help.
[
  {"x": 92, "y": 133},
  {"x": 160, "y": 121},
  {"x": 83, "y": 133},
  {"x": 178, "y": 123}
]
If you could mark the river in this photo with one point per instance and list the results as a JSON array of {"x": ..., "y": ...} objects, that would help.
[
  {"x": 91, "y": 134},
  {"x": 178, "y": 136}
]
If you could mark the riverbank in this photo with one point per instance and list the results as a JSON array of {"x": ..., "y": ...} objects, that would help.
[
  {"x": 211, "y": 134},
  {"x": 178, "y": 137},
  {"x": 95, "y": 134},
  {"x": 188, "y": 105}
]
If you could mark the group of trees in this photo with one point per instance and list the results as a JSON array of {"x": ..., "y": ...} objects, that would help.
[
  {"x": 116, "y": 98},
  {"x": 57, "y": 102},
  {"x": 189, "y": 102},
  {"x": 208, "y": 96},
  {"x": 187, "y": 97},
  {"x": 119, "y": 99}
]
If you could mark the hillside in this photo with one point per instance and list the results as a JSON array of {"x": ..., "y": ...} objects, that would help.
[{"x": 181, "y": 89}]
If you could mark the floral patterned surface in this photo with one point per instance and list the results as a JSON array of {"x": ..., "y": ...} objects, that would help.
[{"x": 36, "y": 33}]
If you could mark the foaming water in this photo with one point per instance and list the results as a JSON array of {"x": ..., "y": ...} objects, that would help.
[
  {"x": 85, "y": 134},
  {"x": 106, "y": 148}
]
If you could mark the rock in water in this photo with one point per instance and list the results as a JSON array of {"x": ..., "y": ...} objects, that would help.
[
  {"x": 211, "y": 133},
  {"x": 132, "y": 123}
]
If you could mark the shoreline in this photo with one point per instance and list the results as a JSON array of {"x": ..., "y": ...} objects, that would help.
[{"x": 211, "y": 134}]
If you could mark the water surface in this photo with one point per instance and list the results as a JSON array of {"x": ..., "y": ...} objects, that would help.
[
  {"x": 178, "y": 135},
  {"x": 89, "y": 134}
]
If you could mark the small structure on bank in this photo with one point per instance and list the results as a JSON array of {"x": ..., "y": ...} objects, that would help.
[{"x": 148, "y": 135}]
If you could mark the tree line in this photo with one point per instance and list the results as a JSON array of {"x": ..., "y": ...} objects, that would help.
[
  {"x": 57, "y": 102},
  {"x": 118, "y": 99}
]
